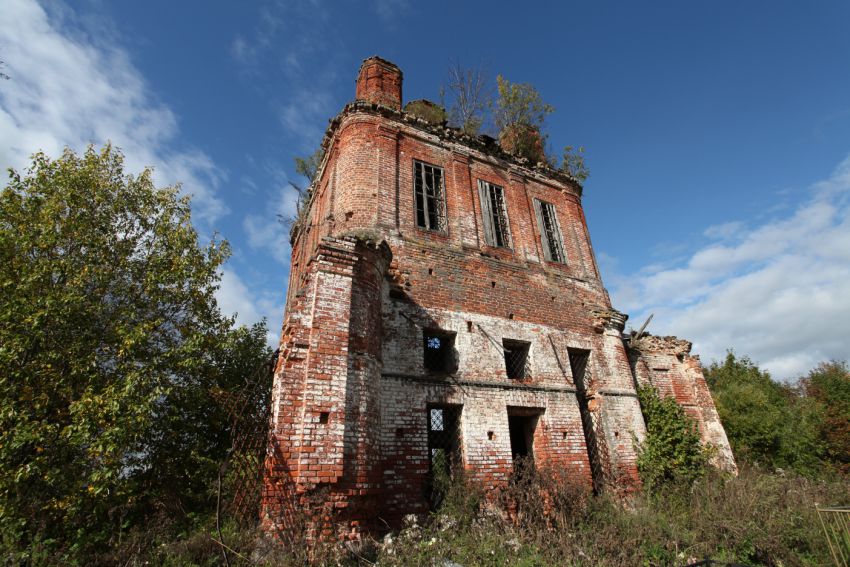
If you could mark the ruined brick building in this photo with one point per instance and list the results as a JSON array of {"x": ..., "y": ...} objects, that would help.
[{"x": 445, "y": 305}]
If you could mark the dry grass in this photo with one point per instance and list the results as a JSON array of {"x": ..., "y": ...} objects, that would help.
[{"x": 543, "y": 519}]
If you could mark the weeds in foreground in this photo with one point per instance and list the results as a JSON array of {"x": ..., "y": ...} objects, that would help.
[{"x": 541, "y": 519}]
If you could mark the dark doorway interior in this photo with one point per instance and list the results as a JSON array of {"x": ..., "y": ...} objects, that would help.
[{"x": 521, "y": 428}]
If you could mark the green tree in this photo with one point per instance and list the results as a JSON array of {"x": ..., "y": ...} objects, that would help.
[
  {"x": 827, "y": 387},
  {"x": 519, "y": 113},
  {"x": 111, "y": 344},
  {"x": 309, "y": 166},
  {"x": 573, "y": 164},
  {"x": 766, "y": 422},
  {"x": 672, "y": 450}
]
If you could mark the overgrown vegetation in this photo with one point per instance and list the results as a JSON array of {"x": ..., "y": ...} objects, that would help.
[
  {"x": 542, "y": 518},
  {"x": 671, "y": 451},
  {"x": 516, "y": 112},
  {"x": 112, "y": 349},
  {"x": 801, "y": 426},
  {"x": 519, "y": 113},
  {"x": 573, "y": 164},
  {"x": 308, "y": 167},
  {"x": 427, "y": 111}
]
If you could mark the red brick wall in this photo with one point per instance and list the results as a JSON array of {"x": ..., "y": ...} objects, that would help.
[{"x": 351, "y": 390}]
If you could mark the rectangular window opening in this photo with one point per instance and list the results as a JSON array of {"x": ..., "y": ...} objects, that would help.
[
  {"x": 550, "y": 232},
  {"x": 444, "y": 449},
  {"x": 495, "y": 215},
  {"x": 516, "y": 358},
  {"x": 439, "y": 350},
  {"x": 430, "y": 198}
]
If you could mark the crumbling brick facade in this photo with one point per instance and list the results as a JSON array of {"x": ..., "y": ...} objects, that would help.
[{"x": 445, "y": 303}]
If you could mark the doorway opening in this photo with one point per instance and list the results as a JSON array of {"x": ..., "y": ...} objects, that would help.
[{"x": 522, "y": 423}]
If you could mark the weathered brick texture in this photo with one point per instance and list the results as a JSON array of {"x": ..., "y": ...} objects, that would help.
[{"x": 367, "y": 285}]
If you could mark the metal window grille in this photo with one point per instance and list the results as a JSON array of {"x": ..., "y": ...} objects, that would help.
[
  {"x": 594, "y": 436},
  {"x": 550, "y": 232},
  {"x": 430, "y": 201},
  {"x": 444, "y": 449},
  {"x": 438, "y": 351},
  {"x": 495, "y": 215},
  {"x": 516, "y": 358}
]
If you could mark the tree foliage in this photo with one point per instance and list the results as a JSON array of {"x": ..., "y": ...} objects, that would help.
[
  {"x": 672, "y": 450},
  {"x": 111, "y": 346},
  {"x": 573, "y": 164},
  {"x": 827, "y": 387},
  {"x": 309, "y": 166},
  {"x": 766, "y": 422},
  {"x": 519, "y": 113},
  {"x": 519, "y": 104}
]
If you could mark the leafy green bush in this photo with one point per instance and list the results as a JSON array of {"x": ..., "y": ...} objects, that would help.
[
  {"x": 766, "y": 422},
  {"x": 573, "y": 163},
  {"x": 519, "y": 113},
  {"x": 827, "y": 388},
  {"x": 671, "y": 450}
]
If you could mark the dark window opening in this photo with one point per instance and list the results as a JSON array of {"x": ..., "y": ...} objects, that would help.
[
  {"x": 444, "y": 450},
  {"x": 430, "y": 201},
  {"x": 550, "y": 232},
  {"x": 495, "y": 215},
  {"x": 324, "y": 417},
  {"x": 516, "y": 358},
  {"x": 578, "y": 365},
  {"x": 439, "y": 351}
]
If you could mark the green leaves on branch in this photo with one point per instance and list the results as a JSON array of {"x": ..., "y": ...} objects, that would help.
[
  {"x": 309, "y": 166},
  {"x": 672, "y": 450},
  {"x": 573, "y": 164},
  {"x": 803, "y": 427},
  {"x": 110, "y": 342},
  {"x": 519, "y": 104}
]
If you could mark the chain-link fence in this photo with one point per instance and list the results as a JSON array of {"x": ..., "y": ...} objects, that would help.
[{"x": 241, "y": 474}]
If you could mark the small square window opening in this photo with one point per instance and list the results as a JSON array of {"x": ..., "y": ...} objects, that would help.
[
  {"x": 516, "y": 358},
  {"x": 439, "y": 351}
]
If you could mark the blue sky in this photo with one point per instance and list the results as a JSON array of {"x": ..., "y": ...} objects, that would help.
[{"x": 717, "y": 134}]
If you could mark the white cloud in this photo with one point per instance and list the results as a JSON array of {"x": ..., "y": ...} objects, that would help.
[
  {"x": 265, "y": 231},
  {"x": 779, "y": 291},
  {"x": 68, "y": 90},
  {"x": 235, "y": 299}
]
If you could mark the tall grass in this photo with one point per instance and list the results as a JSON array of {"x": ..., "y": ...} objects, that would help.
[{"x": 542, "y": 518}]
